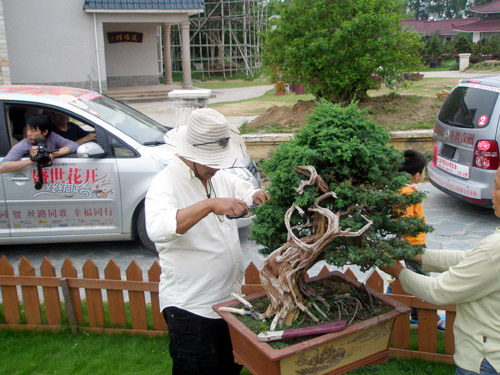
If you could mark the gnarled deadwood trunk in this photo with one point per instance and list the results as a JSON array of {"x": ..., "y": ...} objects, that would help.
[{"x": 282, "y": 273}]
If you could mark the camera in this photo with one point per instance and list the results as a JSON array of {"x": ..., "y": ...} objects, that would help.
[{"x": 42, "y": 157}]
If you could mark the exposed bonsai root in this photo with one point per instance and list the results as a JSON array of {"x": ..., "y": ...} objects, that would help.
[{"x": 282, "y": 273}]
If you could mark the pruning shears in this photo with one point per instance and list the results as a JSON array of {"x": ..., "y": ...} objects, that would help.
[
  {"x": 247, "y": 310},
  {"x": 251, "y": 207}
]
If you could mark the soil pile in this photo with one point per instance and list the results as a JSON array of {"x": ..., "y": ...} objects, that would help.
[
  {"x": 289, "y": 118},
  {"x": 393, "y": 112}
]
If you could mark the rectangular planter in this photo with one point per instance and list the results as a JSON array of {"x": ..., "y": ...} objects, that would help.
[{"x": 358, "y": 345}]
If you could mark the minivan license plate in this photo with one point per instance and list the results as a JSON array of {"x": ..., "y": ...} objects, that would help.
[{"x": 452, "y": 167}]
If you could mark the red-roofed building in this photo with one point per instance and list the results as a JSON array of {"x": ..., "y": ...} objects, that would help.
[
  {"x": 486, "y": 27},
  {"x": 445, "y": 28}
]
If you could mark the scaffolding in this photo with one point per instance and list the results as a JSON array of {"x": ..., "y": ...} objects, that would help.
[{"x": 225, "y": 39}]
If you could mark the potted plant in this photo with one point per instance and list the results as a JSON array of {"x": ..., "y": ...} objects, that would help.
[
  {"x": 362, "y": 343},
  {"x": 349, "y": 211}
]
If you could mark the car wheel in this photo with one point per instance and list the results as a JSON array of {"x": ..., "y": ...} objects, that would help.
[{"x": 141, "y": 231}]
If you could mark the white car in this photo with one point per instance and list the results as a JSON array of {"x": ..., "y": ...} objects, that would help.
[{"x": 96, "y": 194}]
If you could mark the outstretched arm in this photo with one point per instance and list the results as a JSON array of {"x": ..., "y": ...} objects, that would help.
[{"x": 12, "y": 166}]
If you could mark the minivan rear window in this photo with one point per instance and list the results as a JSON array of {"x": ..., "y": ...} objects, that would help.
[{"x": 468, "y": 107}]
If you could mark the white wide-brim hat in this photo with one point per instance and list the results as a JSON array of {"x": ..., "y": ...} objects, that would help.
[{"x": 208, "y": 139}]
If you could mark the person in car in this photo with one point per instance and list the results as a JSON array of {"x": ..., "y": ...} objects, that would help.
[
  {"x": 37, "y": 126},
  {"x": 471, "y": 280},
  {"x": 69, "y": 130},
  {"x": 198, "y": 245}
]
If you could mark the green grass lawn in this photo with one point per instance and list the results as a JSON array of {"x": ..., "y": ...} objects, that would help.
[{"x": 44, "y": 353}]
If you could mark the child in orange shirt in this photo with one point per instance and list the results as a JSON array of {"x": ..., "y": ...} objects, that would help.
[{"x": 415, "y": 163}]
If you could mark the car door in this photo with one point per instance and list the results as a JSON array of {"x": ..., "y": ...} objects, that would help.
[{"x": 79, "y": 196}]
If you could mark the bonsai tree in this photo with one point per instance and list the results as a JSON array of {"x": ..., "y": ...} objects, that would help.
[{"x": 347, "y": 209}]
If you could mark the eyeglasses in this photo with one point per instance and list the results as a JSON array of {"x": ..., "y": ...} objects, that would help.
[{"x": 223, "y": 142}]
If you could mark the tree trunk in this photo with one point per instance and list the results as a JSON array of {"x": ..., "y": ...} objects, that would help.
[{"x": 282, "y": 273}]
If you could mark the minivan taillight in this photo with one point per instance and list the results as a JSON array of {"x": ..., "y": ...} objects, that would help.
[{"x": 486, "y": 155}]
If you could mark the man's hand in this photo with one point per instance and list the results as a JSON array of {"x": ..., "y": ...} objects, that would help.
[
  {"x": 394, "y": 269},
  {"x": 189, "y": 216},
  {"x": 228, "y": 206},
  {"x": 261, "y": 196},
  {"x": 88, "y": 138},
  {"x": 33, "y": 152}
]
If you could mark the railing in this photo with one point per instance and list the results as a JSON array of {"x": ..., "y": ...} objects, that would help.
[{"x": 114, "y": 315}]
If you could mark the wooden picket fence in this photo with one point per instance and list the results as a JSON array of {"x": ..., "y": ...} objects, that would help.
[{"x": 114, "y": 315}]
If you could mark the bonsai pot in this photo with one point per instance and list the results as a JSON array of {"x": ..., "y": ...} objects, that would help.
[{"x": 360, "y": 344}]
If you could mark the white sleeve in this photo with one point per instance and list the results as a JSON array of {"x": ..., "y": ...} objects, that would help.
[
  {"x": 470, "y": 279},
  {"x": 161, "y": 211}
]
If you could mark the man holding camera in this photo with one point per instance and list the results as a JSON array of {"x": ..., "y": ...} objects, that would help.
[{"x": 38, "y": 127}]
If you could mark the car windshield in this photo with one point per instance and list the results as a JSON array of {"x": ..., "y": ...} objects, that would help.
[
  {"x": 468, "y": 107},
  {"x": 126, "y": 119}
]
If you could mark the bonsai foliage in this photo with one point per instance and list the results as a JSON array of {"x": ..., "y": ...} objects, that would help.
[
  {"x": 334, "y": 47},
  {"x": 350, "y": 214},
  {"x": 350, "y": 152}
]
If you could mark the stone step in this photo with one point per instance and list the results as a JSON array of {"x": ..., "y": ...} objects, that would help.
[{"x": 138, "y": 96}]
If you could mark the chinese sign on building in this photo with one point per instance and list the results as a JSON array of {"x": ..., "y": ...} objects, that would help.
[{"x": 124, "y": 36}]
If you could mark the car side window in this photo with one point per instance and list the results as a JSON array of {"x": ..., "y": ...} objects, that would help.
[
  {"x": 120, "y": 149},
  {"x": 16, "y": 123},
  {"x": 63, "y": 123}
]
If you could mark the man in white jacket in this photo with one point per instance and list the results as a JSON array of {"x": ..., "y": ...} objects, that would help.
[
  {"x": 471, "y": 280},
  {"x": 199, "y": 248}
]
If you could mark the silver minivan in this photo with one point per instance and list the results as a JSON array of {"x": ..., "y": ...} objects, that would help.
[
  {"x": 96, "y": 194},
  {"x": 465, "y": 151}
]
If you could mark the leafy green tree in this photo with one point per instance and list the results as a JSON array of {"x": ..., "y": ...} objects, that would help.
[
  {"x": 418, "y": 9},
  {"x": 351, "y": 153},
  {"x": 434, "y": 45},
  {"x": 482, "y": 47},
  {"x": 335, "y": 47},
  {"x": 462, "y": 43},
  {"x": 494, "y": 43},
  {"x": 274, "y": 6},
  {"x": 440, "y": 10}
]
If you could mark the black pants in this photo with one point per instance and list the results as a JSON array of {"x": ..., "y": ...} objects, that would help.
[{"x": 199, "y": 345}]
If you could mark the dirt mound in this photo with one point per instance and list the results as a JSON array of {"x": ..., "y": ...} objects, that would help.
[
  {"x": 286, "y": 117},
  {"x": 392, "y": 112}
]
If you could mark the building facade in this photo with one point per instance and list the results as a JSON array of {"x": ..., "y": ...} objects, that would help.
[{"x": 92, "y": 43}]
